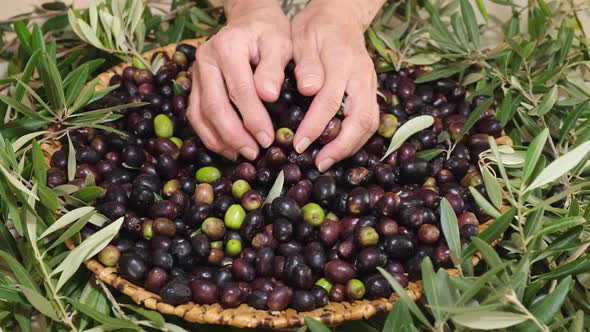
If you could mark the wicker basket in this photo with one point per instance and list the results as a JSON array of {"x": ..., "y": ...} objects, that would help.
[{"x": 244, "y": 315}]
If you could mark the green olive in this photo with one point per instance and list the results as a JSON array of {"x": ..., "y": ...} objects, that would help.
[
  {"x": 147, "y": 228},
  {"x": 177, "y": 141},
  {"x": 233, "y": 247},
  {"x": 216, "y": 244},
  {"x": 387, "y": 125},
  {"x": 355, "y": 289},
  {"x": 234, "y": 216},
  {"x": 171, "y": 187},
  {"x": 324, "y": 283},
  {"x": 163, "y": 126},
  {"x": 207, "y": 174},
  {"x": 239, "y": 188},
  {"x": 313, "y": 214},
  {"x": 109, "y": 256},
  {"x": 214, "y": 228}
]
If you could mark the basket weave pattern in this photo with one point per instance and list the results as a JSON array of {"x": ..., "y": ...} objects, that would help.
[{"x": 244, "y": 315}]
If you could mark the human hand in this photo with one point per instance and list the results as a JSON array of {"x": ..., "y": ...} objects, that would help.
[
  {"x": 331, "y": 59},
  {"x": 257, "y": 32}
]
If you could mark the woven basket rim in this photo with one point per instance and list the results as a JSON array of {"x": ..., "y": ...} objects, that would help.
[{"x": 243, "y": 316}]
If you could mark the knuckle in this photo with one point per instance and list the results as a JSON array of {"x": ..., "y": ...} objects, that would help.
[
  {"x": 239, "y": 90},
  {"x": 369, "y": 122},
  {"x": 332, "y": 103},
  {"x": 209, "y": 107}
]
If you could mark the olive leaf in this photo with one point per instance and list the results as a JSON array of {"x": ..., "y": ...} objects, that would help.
[
  {"x": 489, "y": 320},
  {"x": 533, "y": 153},
  {"x": 71, "y": 159},
  {"x": 408, "y": 129},
  {"x": 560, "y": 166},
  {"x": 483, "y": 203},
  {"x": 315, "y": 326},
  {"x": 492, "y": 186},
  {"x": 67, "y": 219},
  {"x": 39, "y": 302},
  {"x": 87, "y": 249},
  {"x": 546, "y": 102},
  {"x": 450, "y": 228},
  {"x": 401, "y": 292},
  {"x": 276, "y": 189},
  {"x": 23, "y": 140}
]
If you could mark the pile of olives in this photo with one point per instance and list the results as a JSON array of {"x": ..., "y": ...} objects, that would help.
[{"x": 196, "y": 226}]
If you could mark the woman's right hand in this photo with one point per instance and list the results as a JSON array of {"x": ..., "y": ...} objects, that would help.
[{"x": 257, "y": 33}]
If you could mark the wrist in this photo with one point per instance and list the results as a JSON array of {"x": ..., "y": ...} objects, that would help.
[
  {"x": 363, "y": 11},
  {"x": 234, "y": 8}
]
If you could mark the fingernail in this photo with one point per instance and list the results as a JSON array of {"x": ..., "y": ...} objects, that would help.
[
  {"x": 309, "y": 80},
  {"x": 325, "y": 164},
  {"x": 232, "y": 156},
  {"x": 264, "y": 139},
  {"x": 302, "y": 145},
  {"x": 248, "y": 152},
  {"x": 272, "y": 89}
]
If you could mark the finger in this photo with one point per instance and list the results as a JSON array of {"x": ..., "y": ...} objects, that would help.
[
  {"x": 270, "y": 72},
  {"x": 216, "y": 108},
  {"x": 203, "y": 127},
  {"x": 239, "y": 80},
  {"x": 325, "y": 104},
  {"x": 361, "y": 122},
  {"x": 309, "y": 70}
]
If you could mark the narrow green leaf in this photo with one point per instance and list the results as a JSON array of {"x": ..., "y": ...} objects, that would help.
[
  {"x": 489, "y": 320},
  {"x": 378, "y": 44},
  {"x": 431, "y": 288},
  {"x": 23, "y": 140},
  {"x": 473, "y": 117},
  {"x": 67, "y": 219},
  {"x": 470, "y": 22},
  {"x": 21, "y": 274},
  {"x": 39, "y": 302},
  {"x": 26, "y": 75},
  {"x": 37, "y": 40},
  {"x": 48, "y": 197},
  {"x": 152, "y": 315},
  {"x": 72, "y": 230},
  {"x": 573, "y": 268},
  {"x": 533, "y": 153},
  {"x": 401, "y": 292},
  {"x": 493, "y": 188},
  {"x": 546, "y": 309},
  {"x": 490, "y": 256},
  {"x": 450, "y": 228},
  {"x": 315, "y": 326},
  {"x": 22, "y": 108},
  {"x": 24, "y": 35},
  {"x": 76, "y": 85},
  {"x": 102, "y": 318},
  {"x": 399, "y": 318},
  {"x": 493, "y": 232},
  {"x": 482, "y": 9},
  {"x": 87, "y": 249},
  {"x": 88, "y": 194},
  {"x": 71, "y": 159},
  {"x": 408, "y": 129},
  {"x": 429, "y": 154},
  {"x": 38, "y": 162},
  {"x": 442, "y": 72},
  {"x": 534, "y": 222},
  {"x": 483, "y": 203},
  {"x": 480, "y": 282},
  {"x": 459, "y": 29},
  {"x": 275, "y": 190},
  {"x": 565, "y": 242},
  {"x": 560, "y": 166},
  {"x": 83, "y": 98},
  {"x": 546, "y": 103},
  {"x": 561, "y": 224},
  {"x": 17, "y": 183}
]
